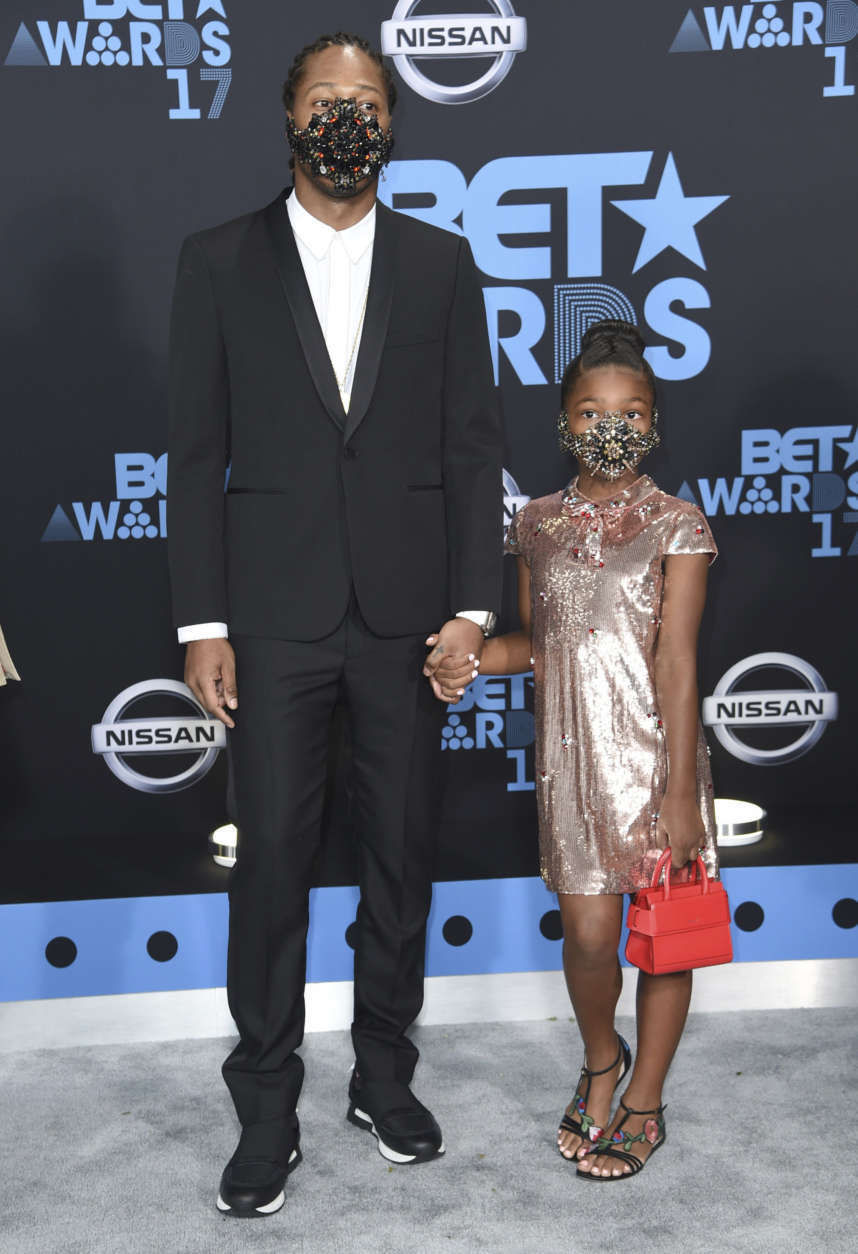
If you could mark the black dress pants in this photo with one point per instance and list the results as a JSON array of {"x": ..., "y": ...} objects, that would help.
[{"x": 287, "y": 692}]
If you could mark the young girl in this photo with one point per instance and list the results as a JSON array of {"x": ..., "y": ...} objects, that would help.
[{"x": 612, "y": 582}]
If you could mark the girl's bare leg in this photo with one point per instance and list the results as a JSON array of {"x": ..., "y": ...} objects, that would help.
[
  {"x": 591, "y": 935},
  {"x": 662, "y": 1007}
]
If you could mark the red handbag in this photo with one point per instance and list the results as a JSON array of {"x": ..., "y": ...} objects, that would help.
[{"x": 673, "y": 927}]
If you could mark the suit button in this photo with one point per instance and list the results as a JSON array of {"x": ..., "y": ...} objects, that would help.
[{"x": 349, "y": 453}]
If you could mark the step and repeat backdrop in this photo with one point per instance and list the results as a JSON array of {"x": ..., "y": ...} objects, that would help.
[{"x": 688, "y": 168}]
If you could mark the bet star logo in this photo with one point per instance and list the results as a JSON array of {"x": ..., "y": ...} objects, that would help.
[{"x": 669, "y": 218}]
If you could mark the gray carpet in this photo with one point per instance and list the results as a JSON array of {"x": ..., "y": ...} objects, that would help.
[{"x": 117, "y": 1150}]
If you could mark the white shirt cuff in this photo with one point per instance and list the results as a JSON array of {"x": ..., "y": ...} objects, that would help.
[
  {"x": 475, "y": 616},
  {"x": 203, "y": 631}
]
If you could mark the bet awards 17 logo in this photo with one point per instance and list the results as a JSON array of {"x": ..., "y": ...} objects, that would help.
[
  {"x": 138, "y": 510},
  {"x": 495, "y": 713},
  {"x": 136, "y": 35},
  {"x": 824, "y": 28},
  {"x": 809, "y": 470},
  {"x": 409, "y": 37}
]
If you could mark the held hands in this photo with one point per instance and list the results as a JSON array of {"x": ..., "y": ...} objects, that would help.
[
  {"x": 210, "y": 675},
  {"x": 455, "y": 659},
  {"x": 681, "y": 827}
]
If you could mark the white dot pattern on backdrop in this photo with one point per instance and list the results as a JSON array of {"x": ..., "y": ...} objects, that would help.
[
  {"x": 106, "y": 48},
  {"x": 454, "y": 735},
  {"x": 136, "y": 524},
  {"x": 759, "y": 499},
  {"x": 769, "y": 30}
]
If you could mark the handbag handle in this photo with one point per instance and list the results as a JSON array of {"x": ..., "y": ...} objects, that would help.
[{"x": 665, "y": 864}]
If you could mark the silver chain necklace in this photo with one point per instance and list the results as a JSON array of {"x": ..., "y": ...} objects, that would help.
[{"x": 341, "y": 380}]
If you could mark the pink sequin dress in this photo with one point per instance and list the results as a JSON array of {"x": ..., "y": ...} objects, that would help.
[{"x": 597, "y": 583}]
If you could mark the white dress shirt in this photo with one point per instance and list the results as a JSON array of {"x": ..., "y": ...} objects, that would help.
[{"x": 337, "y": 267}]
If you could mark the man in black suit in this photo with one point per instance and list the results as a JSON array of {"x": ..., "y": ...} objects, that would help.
[{"x": 334, "y": 355}]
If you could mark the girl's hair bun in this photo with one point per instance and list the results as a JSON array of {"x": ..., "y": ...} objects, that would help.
[
  {"x": 610, "y": 342},
  {"x": 601, "y": 334}
]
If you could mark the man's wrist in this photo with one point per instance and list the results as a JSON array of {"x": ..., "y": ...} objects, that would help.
[
  {"x": 202, "y": 631},
  {"x": 486, "y": 620}
]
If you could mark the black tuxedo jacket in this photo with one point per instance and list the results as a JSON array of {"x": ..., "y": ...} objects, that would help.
[{"x": 399, "y": 498}]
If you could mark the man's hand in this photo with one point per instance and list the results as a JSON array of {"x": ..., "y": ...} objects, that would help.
[
  {"x": 457, "y": 648},
  {"x": 452, "y": 676},
  {"x": 210, "y": 675}
]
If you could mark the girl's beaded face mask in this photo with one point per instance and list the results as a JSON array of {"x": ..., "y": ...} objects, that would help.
[
  {"x": 610, "y": 446},
  {"x": 343, "y": 144}
]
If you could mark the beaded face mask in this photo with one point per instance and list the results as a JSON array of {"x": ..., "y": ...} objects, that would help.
[
  {"x": 611, "y": 446},
  {"x": 342, "y": 144}
]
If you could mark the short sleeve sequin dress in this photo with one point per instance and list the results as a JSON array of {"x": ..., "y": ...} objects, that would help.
[{"x": 597, "y": 583}]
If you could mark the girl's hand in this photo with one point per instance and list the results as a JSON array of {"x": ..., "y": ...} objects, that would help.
[{"x": 681, "y": 827}]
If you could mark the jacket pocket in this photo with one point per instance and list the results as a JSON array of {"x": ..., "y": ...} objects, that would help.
[{"x": 411, "y": 340}]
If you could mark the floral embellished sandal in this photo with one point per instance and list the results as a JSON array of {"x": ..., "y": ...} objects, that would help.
[
  {"x": 581, "y": 1124},
  {"x": 619, "y": 1143}
]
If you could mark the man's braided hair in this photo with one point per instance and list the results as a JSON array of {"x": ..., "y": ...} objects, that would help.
[{"x": 342, "y": 39}]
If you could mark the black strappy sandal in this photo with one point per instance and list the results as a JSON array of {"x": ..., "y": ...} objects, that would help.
[
  {"x": 618, "y": 1144},
  {"x": 583, "y": 1126}
]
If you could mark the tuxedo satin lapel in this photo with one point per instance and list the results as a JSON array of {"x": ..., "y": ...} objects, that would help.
[
  {"x": 376, "y": 320},
  {"x": 310, "y": 333}
]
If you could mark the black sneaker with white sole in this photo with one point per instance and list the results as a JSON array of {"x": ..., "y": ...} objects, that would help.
[
  {"x": 405, "y": 1131},
  {"x": 251, "y": 1188}
]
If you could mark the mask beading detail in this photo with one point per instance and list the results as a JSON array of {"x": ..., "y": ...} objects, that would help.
[
  {"x": 342, "y": 144},
  {"x": 610, "y": 446}
]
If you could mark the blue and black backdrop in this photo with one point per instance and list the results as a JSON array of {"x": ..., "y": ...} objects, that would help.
[{"x": 689, "y": 168}]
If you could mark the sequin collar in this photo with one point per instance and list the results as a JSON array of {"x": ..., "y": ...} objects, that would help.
[{"x": 630, "y": 496}]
